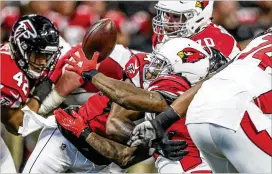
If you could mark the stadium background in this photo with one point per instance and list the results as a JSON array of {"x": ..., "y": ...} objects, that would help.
[{"x": 133, "y": 19}]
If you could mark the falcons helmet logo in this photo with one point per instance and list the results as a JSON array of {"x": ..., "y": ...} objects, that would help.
[{"x": 25, "y": 29}]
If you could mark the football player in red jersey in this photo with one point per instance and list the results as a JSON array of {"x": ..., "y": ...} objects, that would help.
[
  {"x": 217, "y": 42},
  {"x": 154, "y": 101},
  {"x": 208, "y": 34},
  {"x": 228, "y": 116},
  {"x": 95, "y": 113},
  {"x": 31, "y": 52}
]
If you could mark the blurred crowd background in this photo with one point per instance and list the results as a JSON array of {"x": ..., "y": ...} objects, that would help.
[{"x": 133, "y": 19}]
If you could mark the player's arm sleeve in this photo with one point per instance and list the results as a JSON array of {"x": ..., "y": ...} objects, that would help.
[
  {"x": 122, "y": 155},
  {"x": 128, "y": 96},
  {"x": 11, "y": 105}
]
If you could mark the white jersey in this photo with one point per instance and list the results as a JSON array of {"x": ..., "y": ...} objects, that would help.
[{"x": 237, "y": 89}]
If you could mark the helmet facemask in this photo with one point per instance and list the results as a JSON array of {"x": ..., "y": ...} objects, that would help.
[
  {"x": 30, "y": 56},
  {"x": 159, "y": 65},
  {"x": 171, "y": 23},
  {"x": 49, "y": 58}
]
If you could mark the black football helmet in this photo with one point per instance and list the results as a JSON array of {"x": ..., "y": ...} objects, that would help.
[{"x": 34, "y": 34}]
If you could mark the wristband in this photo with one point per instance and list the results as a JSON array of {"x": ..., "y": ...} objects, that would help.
[
  {"x": 85, "y": 133},
  {"x": 158, "y": 129},
  {"x": 167, "y": 118},
  {"x": 88, "y": 75}
]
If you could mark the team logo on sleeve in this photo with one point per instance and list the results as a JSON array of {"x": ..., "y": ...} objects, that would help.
[
  {"x": 5, "y": 101},
  {"x": 132, "y": 68},
  {"x": 190, "y": 55}
]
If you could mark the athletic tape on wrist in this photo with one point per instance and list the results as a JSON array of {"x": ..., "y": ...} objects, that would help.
[{"x": 52, "y": 101}]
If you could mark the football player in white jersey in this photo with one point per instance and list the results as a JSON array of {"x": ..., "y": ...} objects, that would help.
[{"x": 229, "y": 118}]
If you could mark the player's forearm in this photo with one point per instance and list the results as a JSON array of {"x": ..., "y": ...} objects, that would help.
[
  {"x": 181, "y": 104},
  {"x": 67, "y": 83},
  {"x": 122, "y": 155},
  {"x": 33, "y": 104},
  {"x": 128, "y": 96},
  {"x": 13, "y": 118},
  {"x": 177, "y": 110}
]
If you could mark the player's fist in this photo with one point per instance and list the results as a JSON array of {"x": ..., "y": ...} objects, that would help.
[
  {"x": 142, "y": 134},
  {"x": 74, "y": 123}
]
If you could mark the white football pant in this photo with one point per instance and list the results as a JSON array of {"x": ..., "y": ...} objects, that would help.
[
  {"x": 229, "y": 151},
  {"x": 6, "y": 164},
  {"x": 53, "y": 153}
]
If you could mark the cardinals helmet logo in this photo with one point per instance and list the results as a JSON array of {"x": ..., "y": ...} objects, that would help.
[
  {"x": 190, "y": 55},
  {"x": 201, "y": 4}
]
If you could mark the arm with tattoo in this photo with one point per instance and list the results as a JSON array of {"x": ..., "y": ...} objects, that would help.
[
  {"x": 124, "y": 156},
  {"x": 119, "y": 92},
  {"x": 129, "y": 96}
]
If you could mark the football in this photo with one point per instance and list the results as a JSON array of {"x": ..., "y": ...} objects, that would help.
[{"x": 101, "y": 37}]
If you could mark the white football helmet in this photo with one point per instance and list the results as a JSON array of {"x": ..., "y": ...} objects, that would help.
[
  {"x": 181, "y": 18},
  {"x": 180, "y": 56}
]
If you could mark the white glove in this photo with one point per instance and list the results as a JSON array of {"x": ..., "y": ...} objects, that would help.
[{"x": 142, "y": 134}]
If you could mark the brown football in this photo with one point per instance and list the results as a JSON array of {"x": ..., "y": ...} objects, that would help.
[{"x": 101, "y": 37}]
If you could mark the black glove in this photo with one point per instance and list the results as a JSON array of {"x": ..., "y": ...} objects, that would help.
[
  {"x": 172, "y": 149},
  {"x": 42, "y": 90}
]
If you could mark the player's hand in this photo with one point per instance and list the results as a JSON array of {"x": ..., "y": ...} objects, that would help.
[
  {"x": 81, "y": 63},
  {"x": 42, "y": 89},
  {"x": 74, "y": 123},
  {"x": 145, "y": 133},
  {"x": 57, "y": 72},
  {"x": 172, "y": 149}
]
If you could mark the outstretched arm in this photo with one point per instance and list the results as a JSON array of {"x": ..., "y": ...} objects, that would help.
[
  {"x": 129, "y": 96},
  {"x": 122, "y": 93}
]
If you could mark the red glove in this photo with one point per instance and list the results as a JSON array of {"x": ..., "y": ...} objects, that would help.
[
  {"x": 74, "y": 123},
  {"x": 57, "y": 72},
  {"x": 82, "y": 64}
]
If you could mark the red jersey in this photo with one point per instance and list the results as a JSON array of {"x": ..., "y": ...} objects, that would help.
[
  {"x": 171, "y": 86},
  {"x": 96, "y": 110},
  {"x": 135, "y": 68},
  {"x": 15, "y": 85},
  {"x": 213, "y": 36}
]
